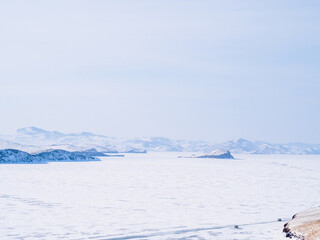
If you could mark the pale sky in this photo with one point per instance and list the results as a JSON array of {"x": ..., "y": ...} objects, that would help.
[{"x": 183, "y": 69}]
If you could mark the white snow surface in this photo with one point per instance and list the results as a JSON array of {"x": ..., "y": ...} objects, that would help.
[{"x": 157, "y": 196}]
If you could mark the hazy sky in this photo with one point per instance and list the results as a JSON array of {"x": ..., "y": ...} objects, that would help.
[{"x": 211, "y": 70}]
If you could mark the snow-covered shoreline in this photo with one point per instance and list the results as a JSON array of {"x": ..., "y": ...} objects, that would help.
[
  {"x": 304, "y": 225},
  {"x": 16, "y": 156}
]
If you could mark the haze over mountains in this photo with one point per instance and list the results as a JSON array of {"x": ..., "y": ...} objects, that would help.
[{"x": 32, "y": 139}]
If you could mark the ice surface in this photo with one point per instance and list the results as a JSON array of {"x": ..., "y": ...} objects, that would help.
[{"x": 157, "y": 196}]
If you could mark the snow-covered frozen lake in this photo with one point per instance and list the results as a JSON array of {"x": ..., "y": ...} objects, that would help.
[{"x": 157, "y": 196}]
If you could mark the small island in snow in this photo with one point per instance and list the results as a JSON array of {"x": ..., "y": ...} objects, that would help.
[
  {"x": 215, "y": 154},
  {"x": 136, "y": 151}
]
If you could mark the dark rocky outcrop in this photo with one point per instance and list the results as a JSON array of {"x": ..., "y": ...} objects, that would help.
[
  {"x": 62, "y": 155},
  {"x": 17, "y": 156}
]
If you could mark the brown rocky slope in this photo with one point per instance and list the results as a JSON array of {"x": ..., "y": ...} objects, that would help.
[{"x": 304, "y": 225}]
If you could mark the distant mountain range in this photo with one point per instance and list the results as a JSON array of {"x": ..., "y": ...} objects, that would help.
[
  {"x": 259, "y": 147},
  {"x": 33, "y": 139}
]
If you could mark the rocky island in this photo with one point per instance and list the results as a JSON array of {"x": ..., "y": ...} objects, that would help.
[{"x": 215, "y": 154}]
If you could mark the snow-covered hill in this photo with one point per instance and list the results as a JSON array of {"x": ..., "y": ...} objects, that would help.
[{"x": 34, "y": 139}]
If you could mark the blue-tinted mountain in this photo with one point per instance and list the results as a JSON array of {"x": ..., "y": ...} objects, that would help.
[{"x": 17, "y": 156}]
